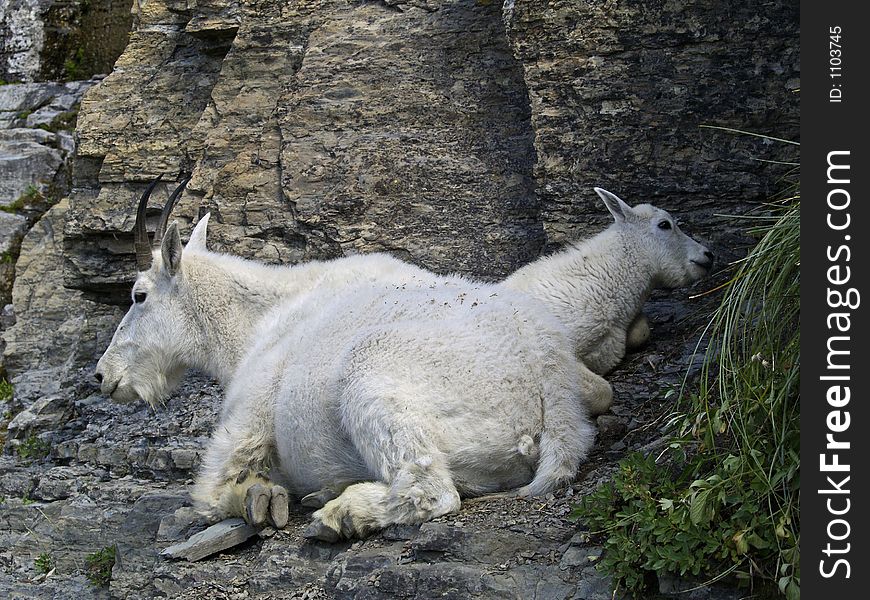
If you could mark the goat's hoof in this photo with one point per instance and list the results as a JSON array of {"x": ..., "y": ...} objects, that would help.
[
  {"x": 523, "y": 493},
  {"x": 279, "y": 507},
  {"x": 318, "y": 530},
  {"x": 318, "y": 499},
  {"x": 257, "y": 500}
]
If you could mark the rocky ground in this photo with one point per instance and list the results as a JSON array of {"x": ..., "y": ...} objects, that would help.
[{"x": 119, "y": 475}]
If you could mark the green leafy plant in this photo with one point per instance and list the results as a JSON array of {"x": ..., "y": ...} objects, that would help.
[
  {"x": 33, "y": 448},
  {"x": 5, "y": 390},
  {"x": 99, "y": 566},
  {"x": 724, "y": 497},
  {"x": 72, "y": 67},
  {"x": 44, "y": 563}
]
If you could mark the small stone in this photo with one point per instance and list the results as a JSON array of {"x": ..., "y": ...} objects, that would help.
[
  {"x": 223, "y": 535},
  {"x": 577, "y": 557},
  {"x": 610, "y": 426}
]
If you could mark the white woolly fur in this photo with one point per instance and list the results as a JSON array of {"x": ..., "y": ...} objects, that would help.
[
  {"x": 396, "y": 389},
  {"x": 386, "y": 389}
]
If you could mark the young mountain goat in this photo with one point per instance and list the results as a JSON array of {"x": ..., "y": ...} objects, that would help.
[
  {"x": 596, "y": 288},
  {"x": 385, "y": 401}
]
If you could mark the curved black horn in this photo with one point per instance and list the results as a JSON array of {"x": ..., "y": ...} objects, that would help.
[
  {"x": 163, "y": 223},
  {"x": 141, "y": 244}
]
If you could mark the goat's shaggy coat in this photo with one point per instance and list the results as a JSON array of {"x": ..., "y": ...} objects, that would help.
[{"x": 376, "y": 389}]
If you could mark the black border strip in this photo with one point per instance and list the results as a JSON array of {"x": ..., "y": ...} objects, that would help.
[{"x": 835, "y": 229}]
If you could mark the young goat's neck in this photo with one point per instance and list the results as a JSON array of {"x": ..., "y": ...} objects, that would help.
[{"x": 593, "y": 288}]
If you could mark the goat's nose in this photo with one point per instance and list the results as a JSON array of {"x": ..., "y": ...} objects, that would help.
[{"x": 98, "y": 376}]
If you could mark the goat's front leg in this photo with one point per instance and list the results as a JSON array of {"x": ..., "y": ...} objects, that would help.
[
  {"x": 234, "y": 480},
  {"x": 638, "y": 332},
  {"x": 596, "y": 392}
]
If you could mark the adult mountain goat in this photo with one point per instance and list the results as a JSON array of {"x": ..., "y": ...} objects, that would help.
[
  {"x": 375, "y": 389},
  {"x": 385, "y": 401}
]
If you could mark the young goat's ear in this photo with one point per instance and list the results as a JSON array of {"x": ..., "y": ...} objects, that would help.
[
  {"x": 619, "y": 209},
  {"x": 197, "y": 237},
  {"x": 170, "y": 249}
]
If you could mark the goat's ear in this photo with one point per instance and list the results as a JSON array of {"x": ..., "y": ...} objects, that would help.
[
  {"x": 170, "y": 249},
  {"x": 619, "y": 209},
  {"x": 197, "y": 238}
]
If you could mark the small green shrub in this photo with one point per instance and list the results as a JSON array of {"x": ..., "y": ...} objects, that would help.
[
  {"x": 663, "y": 520},
  {"x": 5, "y": 391},
  {"x": 72, "y": 67},
  {"x": 99, "y": 566},
  {"x": 44, "y": 563},
  {"x": 33, "y": 448}
]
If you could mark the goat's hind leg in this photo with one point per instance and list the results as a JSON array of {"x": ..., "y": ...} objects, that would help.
[
  {"x": 418, "y": 492},
  {"x": 415, "y": 483},
  {"x": 565, "y": 441},
  {"x": 596, "y": 392},
  {"x": 638, "y": 332}
]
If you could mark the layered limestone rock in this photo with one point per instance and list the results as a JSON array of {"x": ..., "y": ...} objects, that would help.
[
  {"x": 36, "y": 148},
  {"x": 621, "y": 93},
  {"x": 314, "y": 132},
  {"x": 57, "y": 330}
]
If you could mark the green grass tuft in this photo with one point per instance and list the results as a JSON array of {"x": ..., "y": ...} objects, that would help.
[
  {"x": 72, "y": 67},
  {"x": 44, "y": 563},
  {"x": 65, "y": 121},
  {"x": 99, "y": 566},
  {"x": 30, "y": 197},
  {"x": 6, "y": 391}
]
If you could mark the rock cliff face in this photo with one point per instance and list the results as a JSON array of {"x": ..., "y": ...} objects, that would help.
[
  {"x": 42, "y": 40},
  {"x": 461, "y": 135},
  {"x": 620, "y": 93},
  {"x": 464, "y": 136}
]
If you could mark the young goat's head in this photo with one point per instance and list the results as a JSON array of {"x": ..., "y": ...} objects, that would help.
[
  {"x": 146, "y": 356},
  {"x": 676, "y": 259}
]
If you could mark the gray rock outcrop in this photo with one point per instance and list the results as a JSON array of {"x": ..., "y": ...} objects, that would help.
[{"x": 36, "y": 149}]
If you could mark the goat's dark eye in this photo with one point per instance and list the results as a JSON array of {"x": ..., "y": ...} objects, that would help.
[
  {"x": 664, "y": 224},
  {"x": 139, "y": 297}
]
